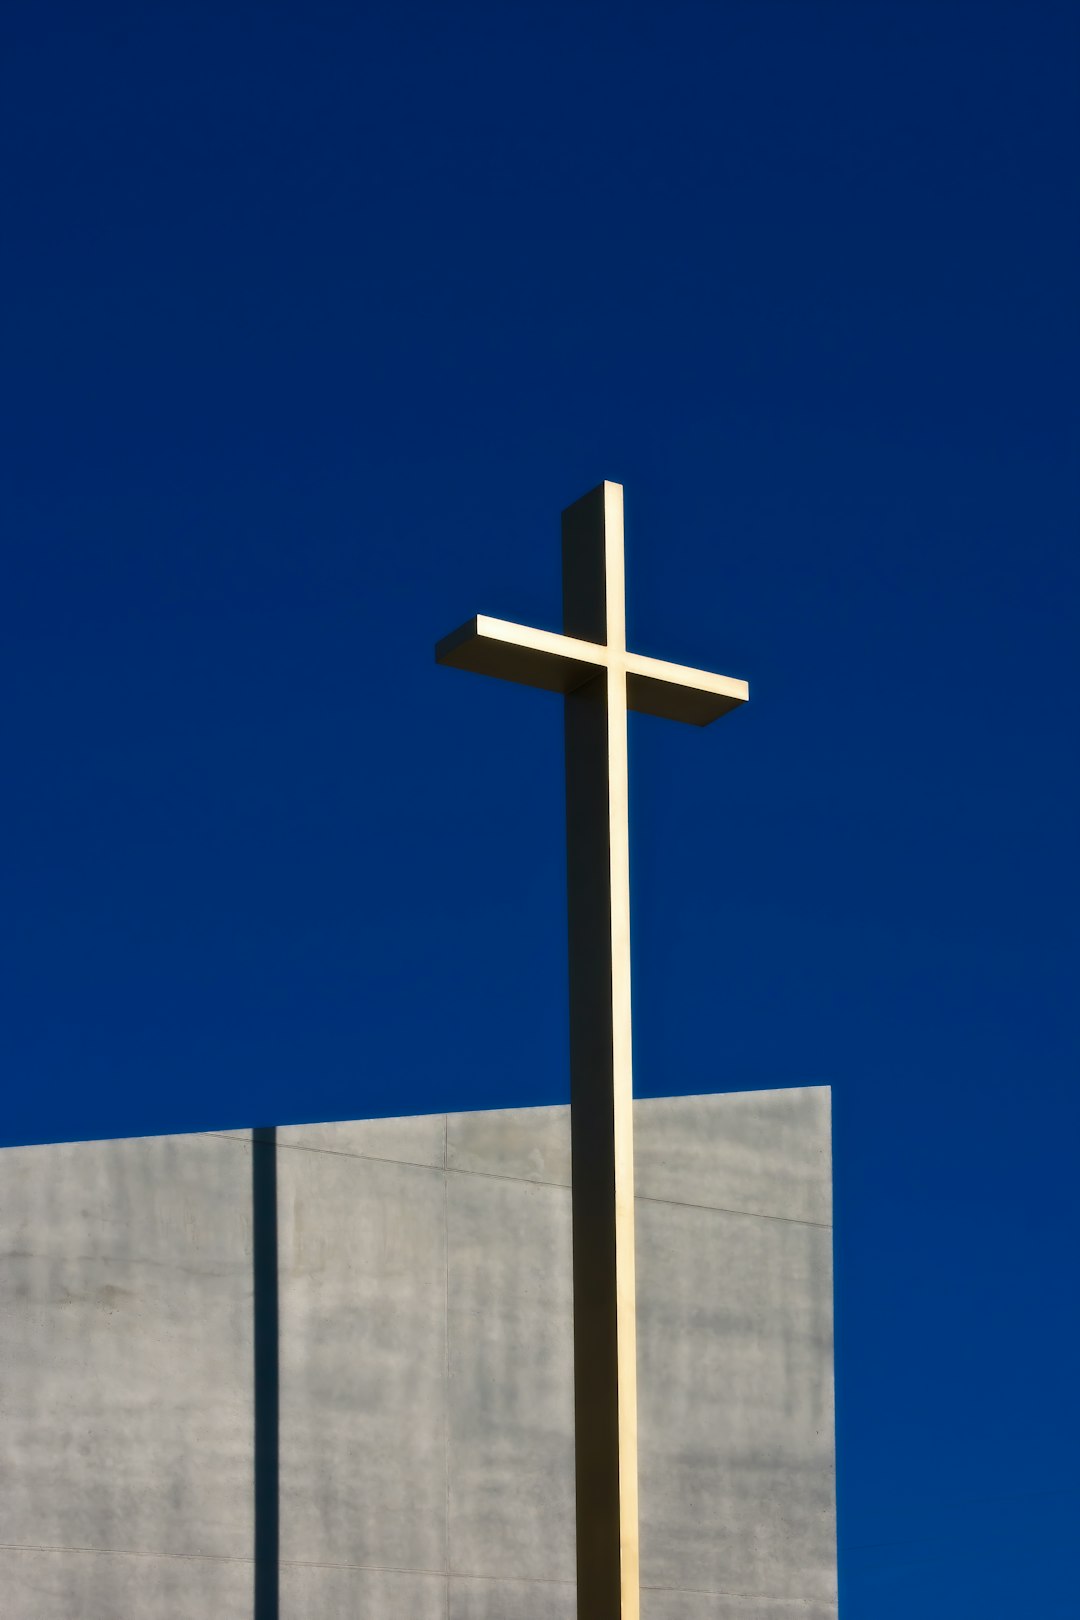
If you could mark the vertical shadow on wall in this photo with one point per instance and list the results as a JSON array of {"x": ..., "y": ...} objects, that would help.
[{"x": 265, "y": 1266}]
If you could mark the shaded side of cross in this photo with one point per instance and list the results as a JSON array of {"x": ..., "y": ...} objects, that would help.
[{"x": 589, "y": 663}]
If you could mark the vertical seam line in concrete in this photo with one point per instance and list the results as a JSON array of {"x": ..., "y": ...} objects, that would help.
[{"x": 446, "y": 1332}]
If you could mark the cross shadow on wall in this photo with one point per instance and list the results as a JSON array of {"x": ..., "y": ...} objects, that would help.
[{"x": 265, "y": 1331}]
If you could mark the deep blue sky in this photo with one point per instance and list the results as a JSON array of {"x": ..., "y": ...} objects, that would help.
[{"x": 314, "y": 316}]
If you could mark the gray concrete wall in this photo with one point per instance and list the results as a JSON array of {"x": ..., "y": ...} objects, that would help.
[{"x": 425, "y": 1381}]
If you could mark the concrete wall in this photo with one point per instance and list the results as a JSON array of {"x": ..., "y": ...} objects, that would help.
[{"x": 424, "y": 1409}]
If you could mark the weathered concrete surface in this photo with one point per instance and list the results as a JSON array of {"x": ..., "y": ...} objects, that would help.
[
  {"x": 318, "y": 1592},
  {"x": 363, "y": 1361},
  {"x": 58, "y": 1583},
  {"x": 426, "y": 1394},
  {"x": 735, "y": 1403},
  {"x": 414, "y": 1139},
  {"x": 511, "y": 1600},
  {"x": 125, "y": 1348},
  {"x": 761, "y": 1152},
  {"x": 511, "y": 1495}
]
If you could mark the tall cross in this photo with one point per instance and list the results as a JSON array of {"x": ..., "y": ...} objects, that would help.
[{"x": 600, "y": 681}]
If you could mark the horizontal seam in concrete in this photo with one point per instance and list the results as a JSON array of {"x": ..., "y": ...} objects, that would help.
[
  {"x": 722, "y": 1209},
  {"x": 335, "y": 1153},
  {"x": 746, "y": 1597},
  {"x": 643, "y": 1197},
  {"x": 216, "y": 1270},
  {"x": 218, "y": 1558},
  {"x": 124, "y": 1552},
  {"x": 538, "y": 1181},
  {"x": 394, "y": 1569},
  {"x": 511, "y": 1580},
  {"x": 363, "y": 1569},
  {"x": 414, "y": 1164},
  {"x": 502, "y": 1175}
]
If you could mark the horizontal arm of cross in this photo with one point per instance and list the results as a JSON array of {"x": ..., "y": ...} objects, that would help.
[{"x": 558, "y": 663}]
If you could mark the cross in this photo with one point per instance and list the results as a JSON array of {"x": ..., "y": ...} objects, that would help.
[{"x": 600, "y": 681}]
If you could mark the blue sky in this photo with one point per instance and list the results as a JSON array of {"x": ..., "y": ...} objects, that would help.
[{"x": 314, "y": 316}]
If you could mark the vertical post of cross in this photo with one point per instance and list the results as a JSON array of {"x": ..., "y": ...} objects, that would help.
[
  {"x": 598, "y": 884},
  {"x": 599, "y": 679}
]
